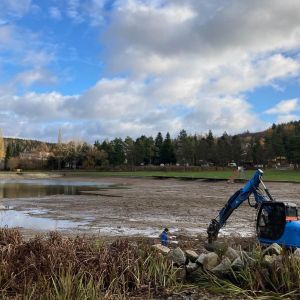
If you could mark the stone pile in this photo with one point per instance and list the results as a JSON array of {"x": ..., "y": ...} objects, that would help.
[{"x": 221, "y": 260}]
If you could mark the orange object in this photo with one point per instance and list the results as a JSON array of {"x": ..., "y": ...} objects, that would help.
[{"x": 289, "y": 218}]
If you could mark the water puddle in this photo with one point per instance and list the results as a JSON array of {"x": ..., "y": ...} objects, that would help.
[
  {"x": 46, "y": 187},
  {"x": 12, "y": 218}
]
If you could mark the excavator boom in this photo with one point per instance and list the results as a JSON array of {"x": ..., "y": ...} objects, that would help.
[{"x": 251, "y": 187}]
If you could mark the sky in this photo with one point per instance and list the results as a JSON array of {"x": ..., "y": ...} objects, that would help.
[{"x": 98, "y": 69}]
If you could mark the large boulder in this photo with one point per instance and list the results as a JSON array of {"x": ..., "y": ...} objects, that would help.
[
  {"x": 231, "y": 254},
  {"x": 217, "y": 247},
  {"x": 200, "y": 259},
  {"x": 223, "y": 267},
  {"x": 273, "y": 249},
  {"x": 177, "y": 256},
  {"x": 210, "y": 261},
  {"x": 191, "y": 255},
  {"x": 161, "y": 248}
]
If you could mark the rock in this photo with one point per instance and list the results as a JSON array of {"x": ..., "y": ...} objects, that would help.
[
  {"x": 273, "y": 259},
  {"x": 296, "y": 253},
  {"x": 273, "y": 249},
  {"x": 177, "y": 256},
  {"x": 231, "y": 254},
  {"x": 200, "y": 259},
  {"x": 191, "y": 267},
  {"x": 269, "y": 258},
  {"x": 191, "y": 255},
  {"x": 210, "y": 261},
  {"x": 161, "y": 248},
  {"x": 223, "y": 267},
  {"x": 237, "y": 264},
  {"x": 219, "y": 248}
]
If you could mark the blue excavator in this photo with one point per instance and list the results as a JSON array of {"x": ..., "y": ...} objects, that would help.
[{"x": 276, "y": 222}]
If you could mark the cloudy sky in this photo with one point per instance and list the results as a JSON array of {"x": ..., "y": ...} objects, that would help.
[{"x": 102, "y": 68}]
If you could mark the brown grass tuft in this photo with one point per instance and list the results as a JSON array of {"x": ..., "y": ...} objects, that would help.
[{"x": 79, "y": 268}]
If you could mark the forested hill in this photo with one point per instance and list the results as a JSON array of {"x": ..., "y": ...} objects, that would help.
[{"x": 25, "y": 145}]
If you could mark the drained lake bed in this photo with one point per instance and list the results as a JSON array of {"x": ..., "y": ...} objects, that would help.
[{"x": 127, "y": 206}]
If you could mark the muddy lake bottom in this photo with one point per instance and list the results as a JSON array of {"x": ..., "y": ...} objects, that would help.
[{"x": 137, "y": 207}]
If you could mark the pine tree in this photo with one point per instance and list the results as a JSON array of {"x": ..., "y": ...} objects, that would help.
[
  {"x": 8, "y": 155},
  {"x": 157, "y": 148},
  {"x": 167, "y": 151}
]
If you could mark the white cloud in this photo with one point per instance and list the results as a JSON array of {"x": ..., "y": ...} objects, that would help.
[
  {"x": 40, "y": 107},
  {"x": 184, "y": 64},
  {"x": 73, "y": 10},
  {"x": 14, "y": 8},
  {"x": 284, "y": 107},
  {"x": 86, "y": 10},
  {"x": 221, "y": 114},
  {"x": 8, "y": 38},
  {"x": 288, "y": 118},
  {"x": 38, "y": 58},
  {"x": 30, "y": 77}
]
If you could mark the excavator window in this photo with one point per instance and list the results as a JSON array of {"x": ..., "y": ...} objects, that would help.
[{"x": 271, "y": 221}]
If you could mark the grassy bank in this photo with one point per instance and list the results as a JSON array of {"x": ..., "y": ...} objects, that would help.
[{"x": 269, "y": 175}]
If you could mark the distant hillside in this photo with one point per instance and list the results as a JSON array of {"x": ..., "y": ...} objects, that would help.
[
  {"x": 25, "y": 145},
  {"x": 283, "y": 129}
]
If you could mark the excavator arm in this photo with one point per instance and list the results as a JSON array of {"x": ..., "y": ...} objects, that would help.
[{"x": 251, "y": 187}]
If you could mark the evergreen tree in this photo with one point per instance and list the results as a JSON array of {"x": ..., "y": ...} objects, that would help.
[
  {"x": 223, "y": 151},
  {"x": 210, "y": 140},
  {"x": 167, "y": 151},
  {"x": 157, "y": 149},
  {"x": 118, "y": 154},
  {"x": 8, "y": 155}
]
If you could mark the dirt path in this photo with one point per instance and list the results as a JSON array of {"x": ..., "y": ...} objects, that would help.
[{"x": 145, "y": 206}]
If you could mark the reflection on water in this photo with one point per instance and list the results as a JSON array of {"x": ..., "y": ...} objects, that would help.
[
  {"x": 45, "y": 187},
  {"x": 12, "y": 218}
]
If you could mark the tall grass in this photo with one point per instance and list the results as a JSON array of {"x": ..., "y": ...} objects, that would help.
[{"x": 53, "y": 267}]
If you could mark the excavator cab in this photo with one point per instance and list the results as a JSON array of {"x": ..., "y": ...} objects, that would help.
[{"x": 277, "y": 222}]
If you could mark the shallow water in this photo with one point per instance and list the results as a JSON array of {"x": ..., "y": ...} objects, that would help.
[
  {"x": 24, "y": 219},
  {"x": 45, "y": 187}
]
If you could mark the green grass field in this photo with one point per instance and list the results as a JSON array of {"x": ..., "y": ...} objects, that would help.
[{"x": 269, "y": 175}]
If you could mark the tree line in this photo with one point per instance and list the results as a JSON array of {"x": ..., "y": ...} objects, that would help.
[{"x": 278, "y": 143}]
